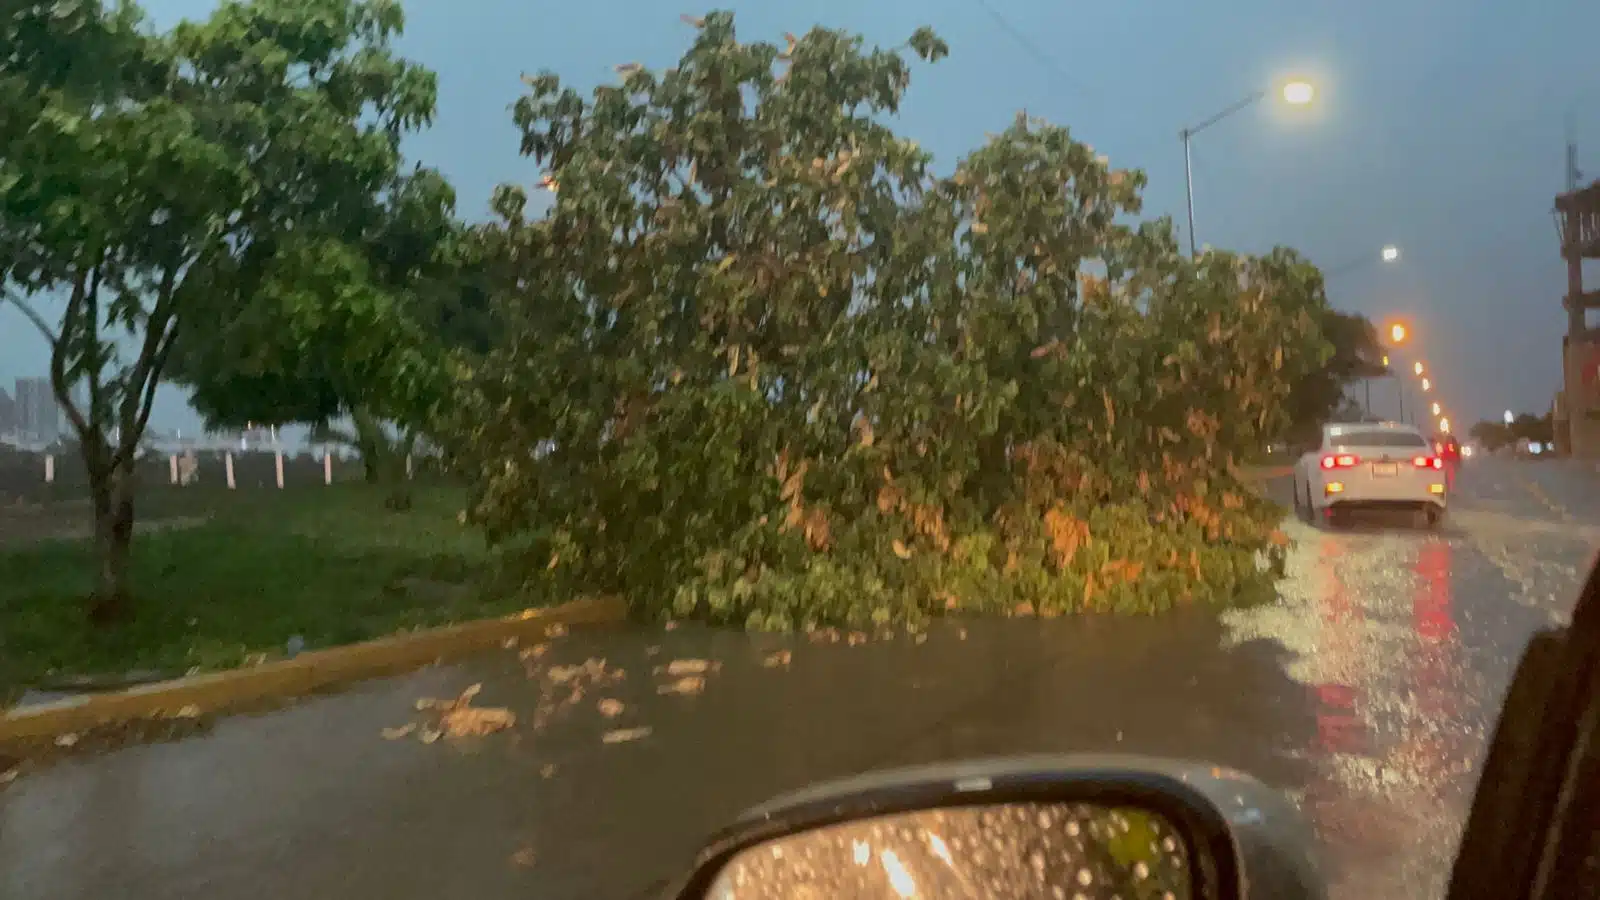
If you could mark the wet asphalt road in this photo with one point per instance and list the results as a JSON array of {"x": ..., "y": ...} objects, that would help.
[{"x": 1367, "y": 691}]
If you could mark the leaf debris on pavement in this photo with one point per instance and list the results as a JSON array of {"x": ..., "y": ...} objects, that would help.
[
  {"x": 564, "y": 686},
  {"x": 457, "y": 718},
  {"x": 610, "y": 708},
  {"x": 780, "y": 659},
  {"x": 623, "y": 735},
  {"x": 395, "y": 734},
  {"x": 688, "y": 684},
  {"x": 9, "y": 775},
  {"x": 524, "y": 858},
  {"x": 689, "y": 667}
]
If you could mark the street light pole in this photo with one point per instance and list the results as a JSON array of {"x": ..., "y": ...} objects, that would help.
[
  {"x": 1186, "y": 135},
  {"x": 1188, "y": 180}
]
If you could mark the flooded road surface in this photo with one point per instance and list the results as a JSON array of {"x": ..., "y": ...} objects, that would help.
[
  {"x": 1407, "y": 641},
  {"x": 1367, "y": 691}
]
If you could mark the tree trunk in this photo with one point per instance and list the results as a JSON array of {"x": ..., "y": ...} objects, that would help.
[
  {"x": 112, "y": 493},
  {"x": 382, "y": 460},
  {"x": 372, "y": 444}
]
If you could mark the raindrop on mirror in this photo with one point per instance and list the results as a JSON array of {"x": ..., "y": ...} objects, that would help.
[{"x": 1003, "y": 851}]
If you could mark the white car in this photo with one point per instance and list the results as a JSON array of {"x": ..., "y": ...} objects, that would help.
[{"x": 1371, "y": 466}]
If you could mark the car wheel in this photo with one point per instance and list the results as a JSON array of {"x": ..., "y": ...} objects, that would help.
[{"x": 1435, "y": 517}]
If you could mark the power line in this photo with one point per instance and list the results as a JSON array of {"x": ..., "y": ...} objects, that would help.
[{"x": 1032, "y": 49}]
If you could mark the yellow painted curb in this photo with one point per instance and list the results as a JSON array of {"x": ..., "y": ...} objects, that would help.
[{"x": 298, "y": 676}]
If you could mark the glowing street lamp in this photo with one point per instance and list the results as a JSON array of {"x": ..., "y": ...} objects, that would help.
[
  {"x": 1298, "y": 93},
  {"x": 1295, "y": 93},
  {"x": 1391, "y": 253},
  {"x": 1417, "y": 368},
  {"x": 1427, "y": 385},
  {"x": 1509, "y": 418},
  {"x": 1444, "y": 425},
  {"x": 1436, "y": 409},
  {"x": 1398, "y": 333}
]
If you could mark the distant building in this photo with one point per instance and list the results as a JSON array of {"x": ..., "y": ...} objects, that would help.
[
  {"x": 8, "y": 413},
  {"x": 37, "y": 413}
]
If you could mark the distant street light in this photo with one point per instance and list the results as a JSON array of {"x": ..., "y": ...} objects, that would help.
[
  {"x": 1509, "y": 418},
  {"x": 1427, "y": 385},
  {"x": 1444, "y": 425},
  {"x": 1295, "y": 93},
  {"x": 1398, "y": 333},
  {"x": 1436, "y": 409},
  {"x": 1417, "y": 368},
  {"x": 1390, "y": 253}
]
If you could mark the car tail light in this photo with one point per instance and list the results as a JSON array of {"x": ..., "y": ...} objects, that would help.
[
  {"x": 1342, "y": 461},
  {"x": 1427, "y": 462}
]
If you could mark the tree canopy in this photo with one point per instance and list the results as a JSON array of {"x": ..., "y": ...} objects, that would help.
[
  {"x": 759, "y": 363},
  {"x": 1354, "y": 353},
  {"x": 1525, "y": 427}
]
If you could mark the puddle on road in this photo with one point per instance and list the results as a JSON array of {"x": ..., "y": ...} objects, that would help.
[
  {"x": 1406, "y": 640},
  {"x": 1544, "y": 562}
]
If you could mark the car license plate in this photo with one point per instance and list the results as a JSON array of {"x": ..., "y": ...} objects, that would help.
[{"x": 1385, "y": 469}]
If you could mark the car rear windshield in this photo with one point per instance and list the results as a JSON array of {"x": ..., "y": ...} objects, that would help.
[{"x": 1378, "y": 439}]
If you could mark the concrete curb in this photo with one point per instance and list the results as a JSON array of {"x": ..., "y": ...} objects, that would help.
[{"x": 301, "y": 675}]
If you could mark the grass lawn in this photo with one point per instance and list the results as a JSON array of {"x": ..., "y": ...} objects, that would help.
[{"x": 329, "y": 564}]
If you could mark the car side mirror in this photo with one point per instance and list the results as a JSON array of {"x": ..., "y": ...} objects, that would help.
[{"x": 1092, "y": 827}]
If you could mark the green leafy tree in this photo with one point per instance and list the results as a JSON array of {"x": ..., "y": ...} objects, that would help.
[
  {"x": 1540, "y": 429},
  {"x": 343, "y": 329},
  {"x": 1524, "y": 427},
  {"x": 169, "y": 190},
  {"x": 1354, "y": 353},
  {"x": 1492, "y": 435},
  {"x": 760, "y": 364}
]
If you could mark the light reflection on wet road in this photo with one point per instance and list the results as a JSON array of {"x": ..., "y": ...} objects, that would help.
[
  {"x": 1408, "y": 639},
  {"x": 1399, "y": 645}
]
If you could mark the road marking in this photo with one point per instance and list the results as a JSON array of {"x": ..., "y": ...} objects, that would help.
[{"x": 1539, "y": 495}]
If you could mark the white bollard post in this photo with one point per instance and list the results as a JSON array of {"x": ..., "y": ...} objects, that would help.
[
  {"x": 277, "y": 462},
  {"x": 172, "y": 467},
  {"x": 227, "y": 461},
  {"x": 49, "y": 469},
  {"x": 408, "y": 465},
  {"x": 327, "y": 467}
]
